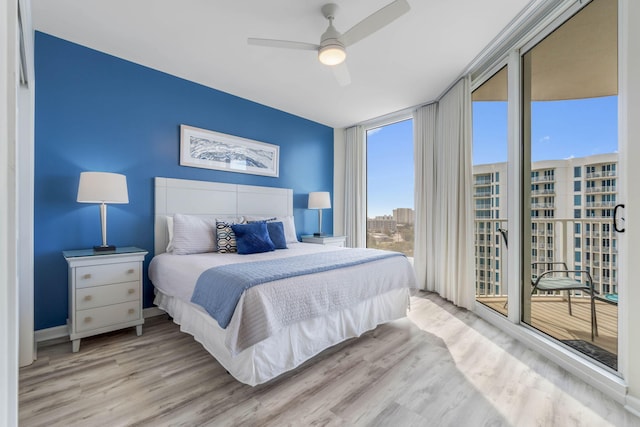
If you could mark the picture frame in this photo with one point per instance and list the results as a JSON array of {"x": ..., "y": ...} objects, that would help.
[{"x": 201, "y": 148}]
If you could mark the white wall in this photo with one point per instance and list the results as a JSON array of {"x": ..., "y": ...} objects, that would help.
[
  {"x": 25, "y": 176},
  {"x": 8, "y": 209},
  {"x": 629, "y": 132}
]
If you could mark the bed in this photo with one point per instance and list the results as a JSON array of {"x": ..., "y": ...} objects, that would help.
[{"x": 284, "y": 322}]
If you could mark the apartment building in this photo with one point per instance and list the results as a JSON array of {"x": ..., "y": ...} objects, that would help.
[
  {"x": 382, "y": 224},
  {"x": 572, "y": 204},
  {"x": 404, "y": 216}
]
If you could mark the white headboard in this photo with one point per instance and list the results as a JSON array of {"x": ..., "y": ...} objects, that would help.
[{"x": 218, "y": 199}]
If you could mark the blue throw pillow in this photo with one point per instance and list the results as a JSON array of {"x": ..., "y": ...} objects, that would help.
[
  {"x": 276, "y": 233},
  {"x": 252, "y": 238}
]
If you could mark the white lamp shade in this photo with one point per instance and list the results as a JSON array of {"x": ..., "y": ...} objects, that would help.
[
  {"x": 319, "y": 200},
  {"x": 102, "y": 187}
]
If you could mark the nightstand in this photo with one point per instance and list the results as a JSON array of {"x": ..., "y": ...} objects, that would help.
[
  {"x": 105, "y": 291},
  {"x": 325, "y": 240}
]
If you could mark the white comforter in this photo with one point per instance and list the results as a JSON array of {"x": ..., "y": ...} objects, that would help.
[{"x": 264, "y": 310}]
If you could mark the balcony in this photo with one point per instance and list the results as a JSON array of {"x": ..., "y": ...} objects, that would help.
[
  {"x": 605, "y": 204},
  {"x": 549, "y": 314},
  {"x": 543, "y": 191},
  {"x": 600, "y": 174},
  {"x": 542, "y": 206},
  {"x": 604, "y": 189},
  {"x": 482, "y": 193},
  {"x": 543, "y": 178}
]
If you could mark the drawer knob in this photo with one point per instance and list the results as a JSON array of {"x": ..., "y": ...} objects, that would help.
[
  {"x": 87, "y": 297},
  {"x": 131, "y": 271},
  {"x": 131, "y": 311},
  {"x": 86, "y": 276},
  {"x": 132, "y": 291},
  {"x": 87, "y": 319}
]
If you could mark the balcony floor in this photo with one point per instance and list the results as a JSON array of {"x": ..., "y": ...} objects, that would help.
[{"x": 550, "y": 315}]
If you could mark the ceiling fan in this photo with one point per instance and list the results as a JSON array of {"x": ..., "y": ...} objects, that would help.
[{"x": 333, "y": 44}]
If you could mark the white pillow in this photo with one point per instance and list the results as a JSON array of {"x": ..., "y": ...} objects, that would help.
[
  {"x": 193, "y": 235},
  {"x": 170, "y": 230},
  {"x": 287, "y": 222}
]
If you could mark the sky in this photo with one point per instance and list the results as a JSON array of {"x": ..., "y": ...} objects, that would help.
[
  {"x": 560, "y": 130},
  {"x": 390, "y": 168}
]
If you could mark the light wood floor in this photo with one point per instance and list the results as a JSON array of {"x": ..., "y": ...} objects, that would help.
[{"x": 441, "y": 366}]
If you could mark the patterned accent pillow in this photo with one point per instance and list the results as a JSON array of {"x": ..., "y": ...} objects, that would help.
[{"x": 225, "y": 236}]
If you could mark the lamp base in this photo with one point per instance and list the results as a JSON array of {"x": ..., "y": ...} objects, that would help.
[{"x": 108, "y": 248}]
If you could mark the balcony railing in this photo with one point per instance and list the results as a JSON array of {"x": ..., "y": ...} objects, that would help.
[
  {"x": 602, "y": 189},
  {"x": 599, "y": 174},
  {"x": 543, "y": 178},
  {"x": 605, "y": 204},
  {"x": 563, "y": 232},
  {"x": 543, "y": 191},
  {"x": 542, "y": 206}
]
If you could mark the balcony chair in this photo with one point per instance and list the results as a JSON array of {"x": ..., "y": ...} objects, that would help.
[{"x": 558, "y": 279}]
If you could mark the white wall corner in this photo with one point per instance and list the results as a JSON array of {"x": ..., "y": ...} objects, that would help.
[{"x": 25, "y": 184}]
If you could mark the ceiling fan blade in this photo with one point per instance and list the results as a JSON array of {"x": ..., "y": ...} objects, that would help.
[
  {"x": 341, "y": 73},
  {"x": 375, "y": 22},
  {"x": 286, "y": 44}
]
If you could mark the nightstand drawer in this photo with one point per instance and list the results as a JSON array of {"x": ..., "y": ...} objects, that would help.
[
  {"x": 97, "y": 296},
  {"x": 96, "y": 275},
  {"x": 100, "y": 317}
]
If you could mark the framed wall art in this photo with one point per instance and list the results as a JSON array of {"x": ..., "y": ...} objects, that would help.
[{"x": 201, "y": 148}]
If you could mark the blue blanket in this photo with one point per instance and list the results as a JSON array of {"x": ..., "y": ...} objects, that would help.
[{"x": 218, "y": 289}]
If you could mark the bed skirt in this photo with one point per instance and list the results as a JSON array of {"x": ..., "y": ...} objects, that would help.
[{"x": 291, "y": 346}]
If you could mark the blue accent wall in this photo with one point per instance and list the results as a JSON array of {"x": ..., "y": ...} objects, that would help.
[{"x": 96, "y": 112}]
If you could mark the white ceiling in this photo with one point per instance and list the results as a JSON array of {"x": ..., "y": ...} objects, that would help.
[{"x": 409, "y": 62}]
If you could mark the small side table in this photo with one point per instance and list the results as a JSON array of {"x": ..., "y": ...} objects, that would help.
[
  {"x": 105, "y": 291},
  {"x": 325, "y": 240}
]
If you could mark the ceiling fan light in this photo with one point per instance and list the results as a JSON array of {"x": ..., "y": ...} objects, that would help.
[{"x": 332, "y": 54}]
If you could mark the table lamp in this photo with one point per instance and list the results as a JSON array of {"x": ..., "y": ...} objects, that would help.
[
  {"x": 103, "y": 188},
  {"x": 319, "y": 200}
]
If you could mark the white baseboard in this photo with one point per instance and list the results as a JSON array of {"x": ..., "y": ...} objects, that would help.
[
  {"x": 632, "y": 404},
  {"x": 51, "y": 333},
  {"x": 62, "y": 331},
  {"x": 152, "y": 312}
]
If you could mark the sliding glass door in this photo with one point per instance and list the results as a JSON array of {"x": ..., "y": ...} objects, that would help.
[
  {"x": 570, "y": 182},
  {"x": 490, "y": 191}
]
